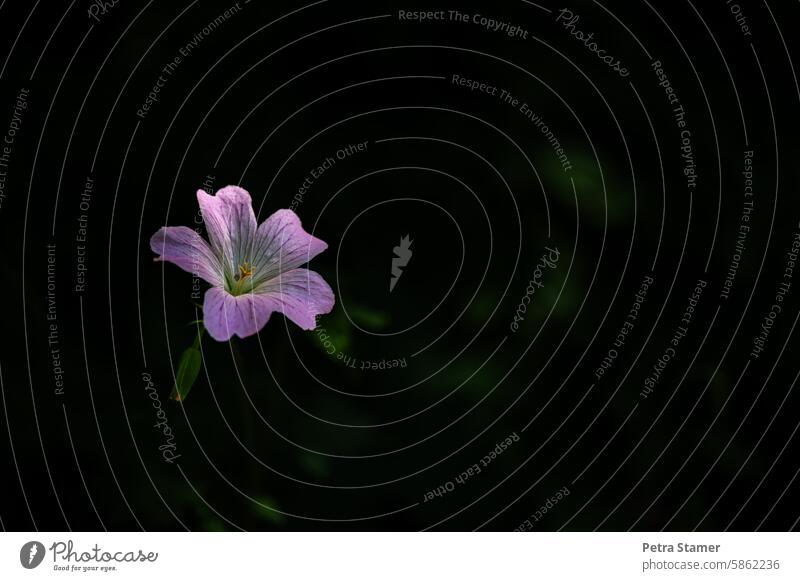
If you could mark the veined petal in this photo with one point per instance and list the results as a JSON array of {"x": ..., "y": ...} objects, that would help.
[
  {"x": 282, "y": 245},
  {"x": 300, "y": 295},
  {"x": 231, "y": 223},
  {"x": 225, "y": 315},
  {"x": 184, "y": 247}
]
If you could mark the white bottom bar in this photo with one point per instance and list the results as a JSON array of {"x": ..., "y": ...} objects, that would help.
[{"x": 400, "y": 556}]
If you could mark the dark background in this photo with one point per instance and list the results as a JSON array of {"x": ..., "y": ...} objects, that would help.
[{"x": 279, "y": 434}]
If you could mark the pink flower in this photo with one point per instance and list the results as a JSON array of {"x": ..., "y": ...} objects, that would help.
[{"x": 252, "y": 269}]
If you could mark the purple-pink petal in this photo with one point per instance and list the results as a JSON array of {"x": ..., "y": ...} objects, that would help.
[
  {"x": 230, "y": 221},
  {"x": 283, "y": 245},
  {"x": 300, "y": 295},
  {"x": 185, "y": 248},
  {"x": 225, "y": 315}
]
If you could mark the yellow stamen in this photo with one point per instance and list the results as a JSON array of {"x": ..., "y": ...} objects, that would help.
[{"x": 245, "y": 271}]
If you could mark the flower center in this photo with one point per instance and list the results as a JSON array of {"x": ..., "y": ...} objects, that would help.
[{"x": 245, "y": 272}]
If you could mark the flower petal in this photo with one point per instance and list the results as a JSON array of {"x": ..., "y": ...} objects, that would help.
[
  {"x": 230, "y": 222},
  {"x": 282, "y": 245},
  {"x": 184, "y": 247},
  {"x": 300, "y": 295},
  {"x": 225, "y": 315}
]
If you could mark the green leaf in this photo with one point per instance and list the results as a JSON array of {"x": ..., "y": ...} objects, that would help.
[{"x": 188, "y": 370}]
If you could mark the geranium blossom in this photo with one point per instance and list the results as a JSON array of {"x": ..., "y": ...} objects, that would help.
[{"x": 253, "y": 270}]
